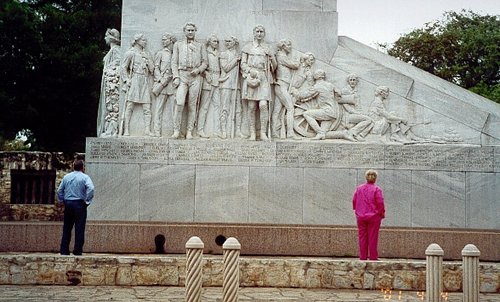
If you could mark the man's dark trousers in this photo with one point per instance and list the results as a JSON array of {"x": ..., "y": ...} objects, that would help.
[{"x": 75, "y": 214}]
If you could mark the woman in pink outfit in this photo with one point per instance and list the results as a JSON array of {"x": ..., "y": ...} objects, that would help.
[{"x": 368, "y": 205}]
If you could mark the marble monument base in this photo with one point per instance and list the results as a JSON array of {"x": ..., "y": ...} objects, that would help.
[{"x": 286, "y": 182}]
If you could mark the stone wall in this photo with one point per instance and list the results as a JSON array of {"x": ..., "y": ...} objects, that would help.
[
  {"x": 169, "y": 270},
  {"x": 284, "y": 182},
  {"x": 58, "y": 161}
]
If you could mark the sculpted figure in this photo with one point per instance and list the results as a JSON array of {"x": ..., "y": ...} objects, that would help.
[
  {"x": 303, "y": 77},
  {"x": 230, "y": 115},
  {"x": 210, "y": 88},
  {"x": 111, "y": 122},
  {"x": 327, "y": 111},
  {"x": 387, "y": 124},
  {"x": 137, "y": 67},
  {"x": 257, "y": 65},
  {"x": 163, "y": 88},
  {"x": 110, "y": 83},
  {"x": 189, "y": 60},
  {"x": 288, "y": 63},
  {"x": 354, "y": 119}
]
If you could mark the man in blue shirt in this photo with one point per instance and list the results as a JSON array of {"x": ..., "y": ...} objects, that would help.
[{"x": 76, "y": 191}]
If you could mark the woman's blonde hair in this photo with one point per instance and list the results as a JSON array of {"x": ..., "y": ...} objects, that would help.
[{"x": 371, "y": 175}]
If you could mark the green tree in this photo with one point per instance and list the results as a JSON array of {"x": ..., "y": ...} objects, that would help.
[
  {"x": 53, "y": 51},
  {"x": 463, "y": 48},
  {"x": 20, "y": 42}
]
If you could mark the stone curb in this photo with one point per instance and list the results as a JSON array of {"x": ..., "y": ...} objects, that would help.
[{"x": 296, "y": 272}]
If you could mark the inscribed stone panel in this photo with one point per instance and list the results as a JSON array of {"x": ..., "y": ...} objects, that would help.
[
  {"x": 126, "y": 150},
  {"x": 446, "y": 158},
  {"x": 222, "y": 152},
  {"x": 338, "y": 155}
]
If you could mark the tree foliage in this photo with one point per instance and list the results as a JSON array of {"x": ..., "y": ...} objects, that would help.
[
  {"x": 51, "y": 56},
  {"x": 463, "y": 48}
]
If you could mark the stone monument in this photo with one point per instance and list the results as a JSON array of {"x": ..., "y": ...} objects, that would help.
[{"x": 257, "y": 112}]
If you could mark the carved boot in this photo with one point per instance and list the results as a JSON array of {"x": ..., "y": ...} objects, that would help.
[
  {"x": 147, "y": 120},
  {"x": 189, "y": 134},
  {"x": 126, "y": 131},
  {"x": 147, "y": 131},
  {"x": 263, "y": 123},
  {"x": 319, "y": 136},
  {"x": 202, "y": 134},
  {"x": 251, "y": 126},
  {"x": 128, "y": 115},
  {"x": 177, "y": 121}
]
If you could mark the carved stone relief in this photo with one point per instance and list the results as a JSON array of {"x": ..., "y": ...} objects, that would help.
[
  {"x": 257, "y": 92},
  {"x": 109, "y": 108}
]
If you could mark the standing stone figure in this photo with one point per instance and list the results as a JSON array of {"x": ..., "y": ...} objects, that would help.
[
  {"x": 189, "y": 60},
  {"x": 354, "y": 119},
  {"x": 163, "y": 88},
  {"x": 230, "y": 115},
  {"x": 257, "y": 65},
  {"x": 137, "y": 67},
  {"x": 288, "y": 63},
  {"x": 110, "y": 85},
  {"x": 210, "y": 90}
]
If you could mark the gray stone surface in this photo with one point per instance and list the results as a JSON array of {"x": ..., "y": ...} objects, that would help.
[
  {"x": 236, "y": 18},
  {"x": 167, "y": 193},
  {"x": 117, "y": 191},
  {"x": 221, "y": 194},
  {"x": 438, "y": 199},
  {"x": 396, "y": 185},
  {"x": 496, "y": 156},
  {"x": 482, "y": 200},
  {"x": 276, "y": 195},
  {"x": 292, "y": 182},
  {"x": 328, "y": 196}
]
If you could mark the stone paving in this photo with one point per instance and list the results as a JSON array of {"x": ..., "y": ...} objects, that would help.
[{"x": 54, "y": 293}]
